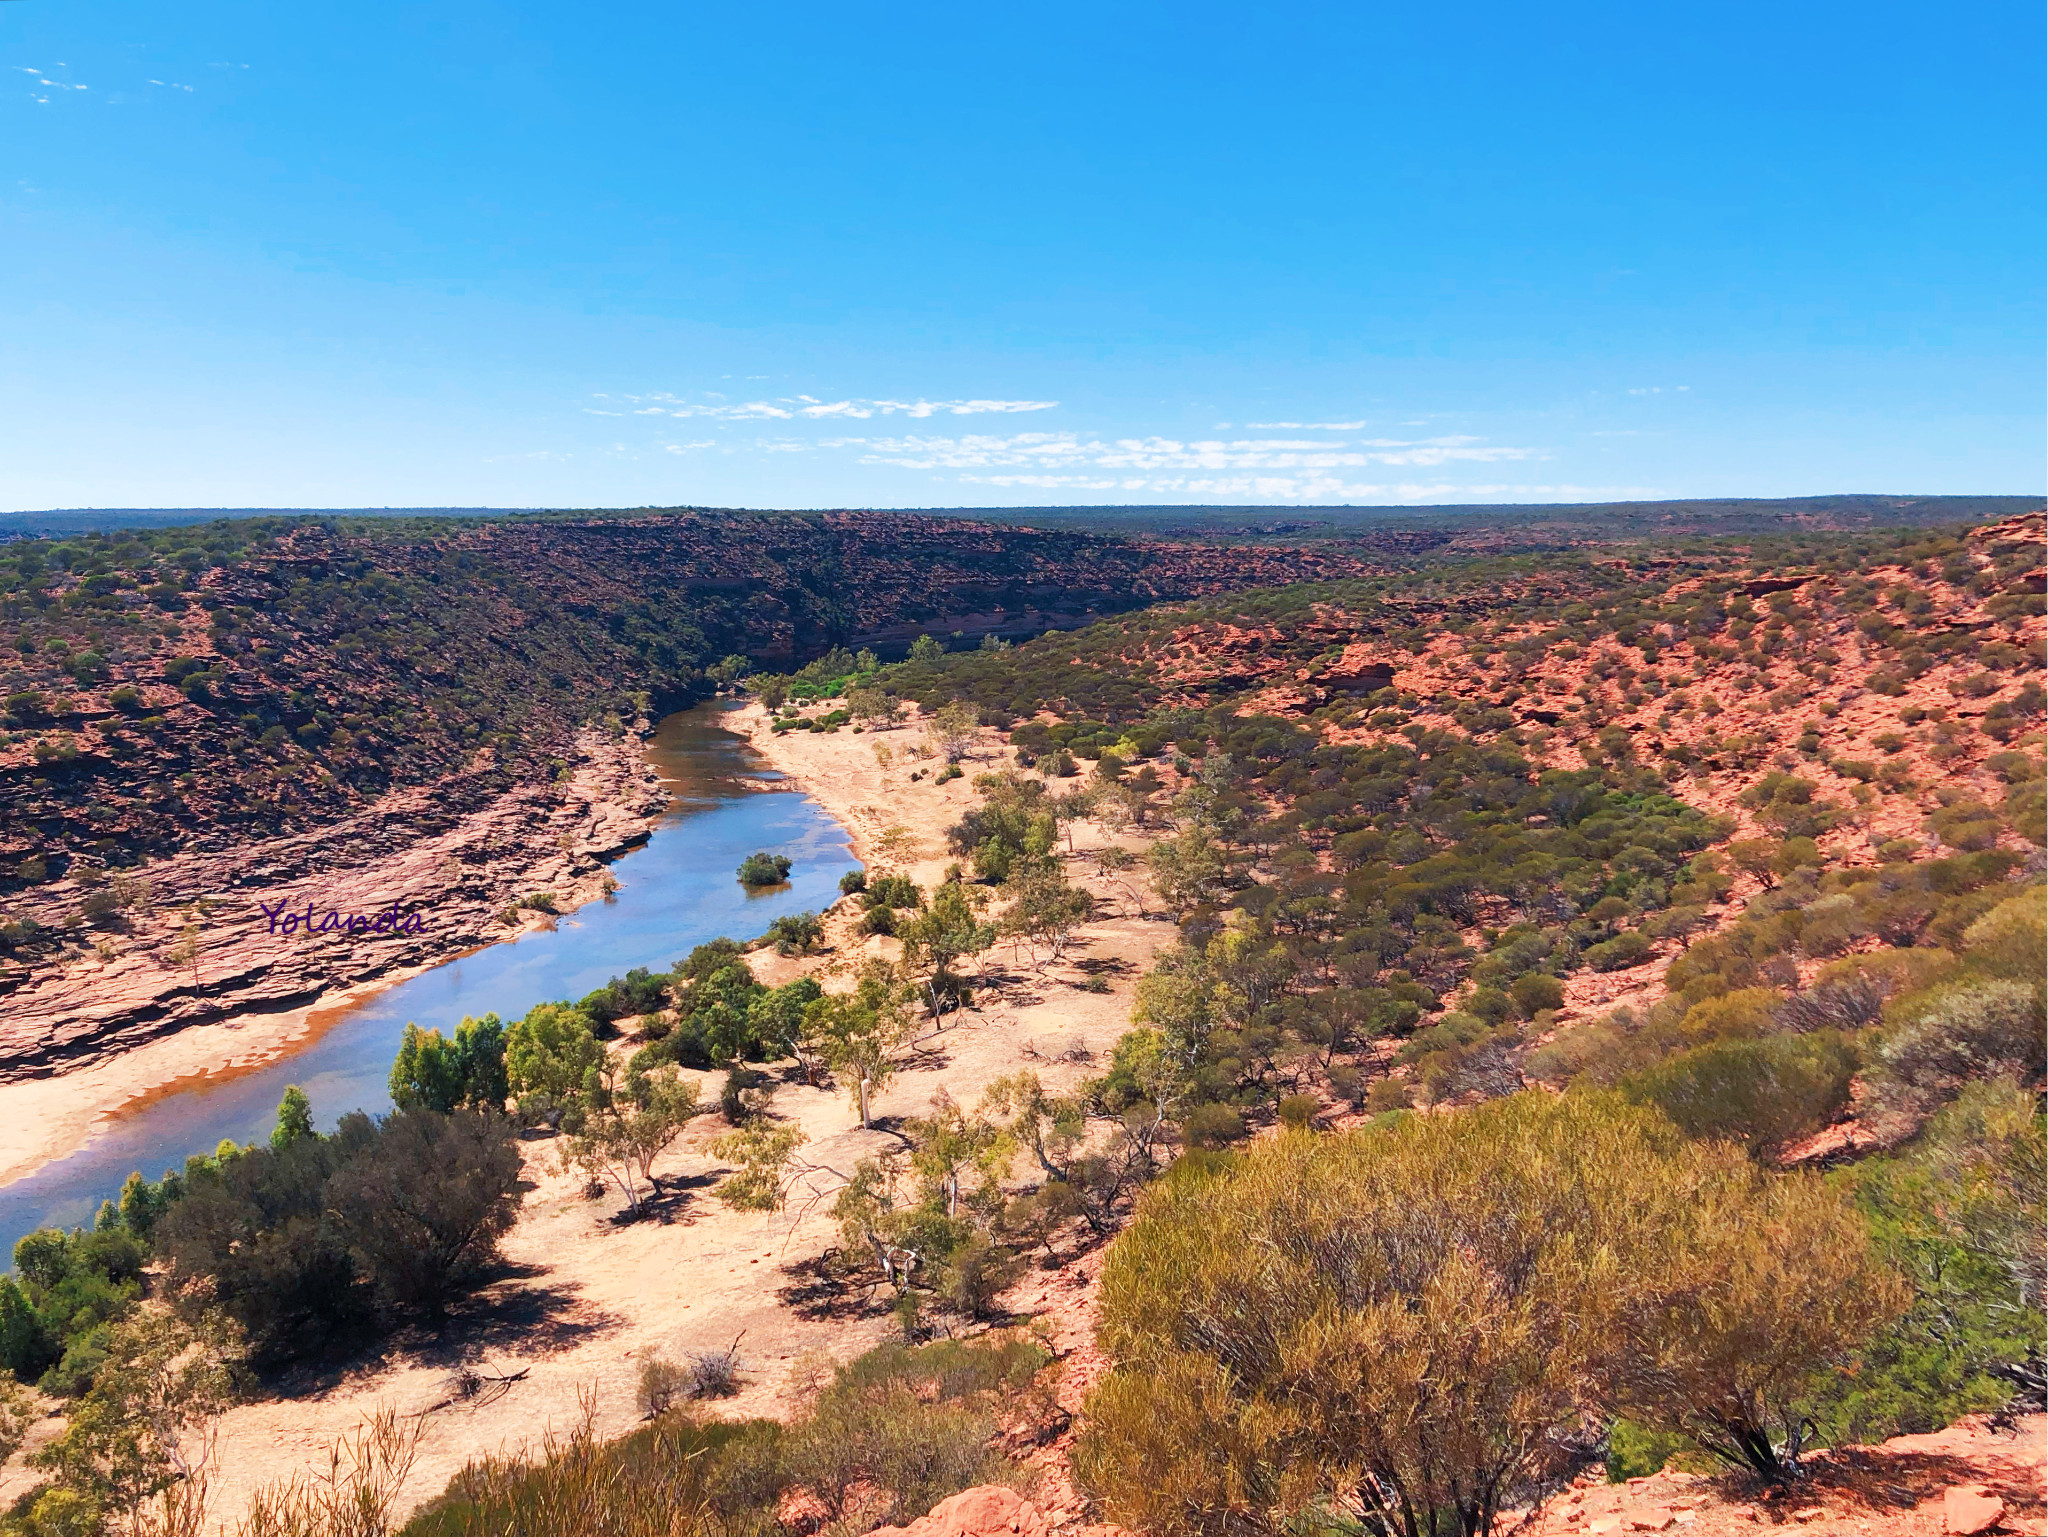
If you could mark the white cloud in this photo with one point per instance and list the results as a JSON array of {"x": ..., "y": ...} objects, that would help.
[
  {"x": 1306, "y": 426},
  {"x": 752, "y": 411},
  {"x": 791, "y": 407},
  {"x": 1046, "y": 482},
  {"x": 862, "y": 409},
  {"x": 1314, "y": 488},
  {"x": 45, "y": 83},
  {"x": 1150, "y": 454},
  {"x": 1311, "y": 461}
]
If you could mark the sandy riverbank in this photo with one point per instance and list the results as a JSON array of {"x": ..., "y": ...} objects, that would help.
[
  {"x": 843, "y": 773},
  {"x": 586, "y": 1297},
  {"x": 136, "y": 1028},
  {"x": 43, "y": 1119}
]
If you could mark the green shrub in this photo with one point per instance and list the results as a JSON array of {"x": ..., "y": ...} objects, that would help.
[
  {"x": 1964, "y": 1031},
  {"x": 775, "y": 1016},
  {"x": 892, "y": 1434},
  {"x": 1455, "y": 1029},
  {"x": 2012, "y": 938},
  {"x": 1674, "y": 923},
  {"x": 1617, "y": 954},
  {"x": 1731, "y": 1017},
  {"x": 1960, "y": 1214},
  {"x": 420, "y": 1241},
  {"x": 549, "y": 1052},
  {"x": 1535, "y": 991},
  {"x": 1760, "y": 1093},
  {"x": 764, "y": 869},
  {"x": 638, "y": 992},
  {"x": 433, "y": 1073},
  {"x": 722, "y": 1012},
  {"x": 1635, "y": 1451},
  {"x": 68, "y": 1288},
  {"x": 1299, "y": 1111},
  {"x": 796, "y": 933},
  {"x": 1406, "y": 1320},
  {"x": 2026, "y": 810},
  {"x": 637, "y": 1486},
  {"x": 303, "y": 1243},
  {"x": 1828, "y": 927},
  {"x": 892, "y": 891},
  {"x": 1491, "y": 1004},
  {"x": 1212, "y": 1126}
]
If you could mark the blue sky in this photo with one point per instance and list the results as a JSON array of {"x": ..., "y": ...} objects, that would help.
[{"x": 824, "y": 255}]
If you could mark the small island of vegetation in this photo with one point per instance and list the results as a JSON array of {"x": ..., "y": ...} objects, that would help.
[{"x": 764, "y": 869}]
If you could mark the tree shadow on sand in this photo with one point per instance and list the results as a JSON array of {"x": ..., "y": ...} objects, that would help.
[
  {"x": 823, "y": 1290},
  {"x": 672, "y": 1200},
  {"x": 515, "y": 1309}
]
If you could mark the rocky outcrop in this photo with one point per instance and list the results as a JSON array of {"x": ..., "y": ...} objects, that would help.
[
  {"x": 261, "y": 927},
  {"x": 1968, "y": 1510},
  {"x": 987, "y": 1510},
  {"x": 992, "y": 1510},
  {"x": 1976, "y": 1476}
]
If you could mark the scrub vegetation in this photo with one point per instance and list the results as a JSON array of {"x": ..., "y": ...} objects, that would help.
[
  {"x": 247, "y": 680},
  {"x": 1604, "y": 1023}
]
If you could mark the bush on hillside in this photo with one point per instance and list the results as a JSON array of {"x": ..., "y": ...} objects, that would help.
[
  {"x": 55, "y": 1310},
  {"x": 549, "y": 1052},
  {"x": 796, "y": 933},
  {"x": 433, "y": 1073},
  {"x": 1414, "y": 1320},
  {"x": 638, "y": 992},
  {"x": 304, "y": 1243},
  {"x": 1626, "y": 949},
  {"x": 1760, "y": 1094},
  {"x": 722, "y": 1012},
  {"x": 1960, "y": 1213},
  {"x": 1535, "y": 991},
  {"x": 894, "y": 1432},
  {"x": 1965, "y": 1031},
  {"x": 423, "y": 1205},
  {"x": 891, "y": 891}
]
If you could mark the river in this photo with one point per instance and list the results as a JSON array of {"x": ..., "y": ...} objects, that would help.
[{"x": 676, "y": 891}]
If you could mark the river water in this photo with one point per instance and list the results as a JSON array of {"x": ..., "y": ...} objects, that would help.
[{"x": 676, "y": 891}]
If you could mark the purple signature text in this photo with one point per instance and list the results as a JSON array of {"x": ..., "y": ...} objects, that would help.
[{"x": 390, "y": 921}]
